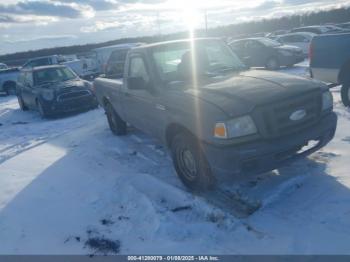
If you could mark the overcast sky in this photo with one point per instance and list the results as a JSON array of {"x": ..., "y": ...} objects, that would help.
[{"x": 35, "y": 24}]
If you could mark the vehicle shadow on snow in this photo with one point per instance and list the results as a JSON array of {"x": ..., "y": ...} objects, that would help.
[{"x": 61, "y": 208}]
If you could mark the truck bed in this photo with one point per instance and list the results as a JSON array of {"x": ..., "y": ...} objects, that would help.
[{"x": 104, "y": 88}]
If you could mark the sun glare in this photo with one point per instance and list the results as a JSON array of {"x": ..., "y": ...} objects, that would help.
[{"x": 190, "y": 13}]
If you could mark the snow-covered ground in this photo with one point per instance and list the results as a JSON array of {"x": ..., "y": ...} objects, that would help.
[{"x": 68, "y": 186}]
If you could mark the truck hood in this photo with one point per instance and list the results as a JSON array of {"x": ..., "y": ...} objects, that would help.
[{"x": 239, "y": 93}]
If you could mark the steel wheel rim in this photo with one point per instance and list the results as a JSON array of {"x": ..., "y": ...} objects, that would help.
[{"x": 187, "y": 163}]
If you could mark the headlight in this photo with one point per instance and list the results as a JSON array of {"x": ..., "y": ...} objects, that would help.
[
  {"x": 48, "y": 95},
  {"x": 327, "y": 100},
  {"x": 241, "y": 126}
]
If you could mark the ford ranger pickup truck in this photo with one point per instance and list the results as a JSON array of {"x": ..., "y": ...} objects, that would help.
[
  {"x": 217, "y": 117},
  {"x": 330, "y": 61}
]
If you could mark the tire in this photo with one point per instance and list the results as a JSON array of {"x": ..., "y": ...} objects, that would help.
[
  {"x": 116, "y": 124},
  {"x": 345, "y": 94},
  {"x": 21, "y": 103},
  {"x": 272, "y": 64},
  {"x": 191, "y": 164},
  {"x": 42, "y": 111},
  {"x": 10, "y": 88}
]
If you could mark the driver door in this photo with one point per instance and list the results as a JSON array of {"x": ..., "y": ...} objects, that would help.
[{"x": 140, "y": 103}]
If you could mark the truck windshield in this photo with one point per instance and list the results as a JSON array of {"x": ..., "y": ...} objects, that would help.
[
  {"x": 52, "y": 75},
  {"x": 182, "y": 60}
]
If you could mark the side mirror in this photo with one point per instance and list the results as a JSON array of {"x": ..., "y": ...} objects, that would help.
[{"x": 136, "y": 83}]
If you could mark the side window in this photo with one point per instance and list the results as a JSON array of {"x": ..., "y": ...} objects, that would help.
[
  {"x": 288, "y": 39},
  {"x": 299, "y": 38},
  {"x": 253, "y": 45},
  {"x": 138, "y": 68}
]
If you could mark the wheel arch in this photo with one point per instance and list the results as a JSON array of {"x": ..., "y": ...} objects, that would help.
[{"x": 173, "y": 129}]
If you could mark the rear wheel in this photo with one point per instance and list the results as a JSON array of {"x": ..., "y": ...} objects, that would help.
[
  {"x": 191, "y": 164},
  {"x": 345, "y": 94},
  {"x": 116, "y": 124},
  {"x": 21, "y": 103},
  {"x": 272, "y": 64}
]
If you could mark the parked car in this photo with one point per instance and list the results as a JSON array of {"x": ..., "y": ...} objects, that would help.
[
  {"x": 103, "y": 54},
  {"x": 337, "y": 29},
  {"x": 316, "y": 29},
  {"x": 330, "y": 61},
  {"x": 264, "y": 52},
  {"x": 115, "y": 64},
  {"x": 216, "y": 116},
  {"x": 301, "y": 40},
  {"x": 3, "y": 66},
  {"x": 53, "y": 89},
  {"x": 83, "y": 67},
  {"x": 345, "y": 26},
  {"x": 276, "y": 33},
  {"x": 8, "y": 78}
]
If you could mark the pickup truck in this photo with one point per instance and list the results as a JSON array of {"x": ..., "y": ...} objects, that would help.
[
  {"x": 84, "y": 68},
  {"x": 217, "y": 117},
  {"x": 8, "y": 79},
  {"x": 330, "y": 61}
]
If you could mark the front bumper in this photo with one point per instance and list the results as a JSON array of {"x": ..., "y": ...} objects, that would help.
[
  {"x": 262, "y": 156},
  {"x": 71, "y": 105}
]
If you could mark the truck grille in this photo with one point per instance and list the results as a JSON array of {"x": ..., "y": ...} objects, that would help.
[
  {"x": 73, "y": 95},
  {"x": 274, "y": 120}
]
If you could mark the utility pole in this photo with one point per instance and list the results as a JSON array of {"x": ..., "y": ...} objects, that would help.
[
  {"x": 206, "y": 21},
  {"x": 158, "y": 24}
]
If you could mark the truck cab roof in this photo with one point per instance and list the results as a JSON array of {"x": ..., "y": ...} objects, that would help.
[{"x": 39, "y": 68}]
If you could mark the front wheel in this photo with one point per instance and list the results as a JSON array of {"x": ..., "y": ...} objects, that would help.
[
  {"x": 191, "y": 164},
  {"x": 116, "y": 124},
  {"x": 345, "y": 94}
]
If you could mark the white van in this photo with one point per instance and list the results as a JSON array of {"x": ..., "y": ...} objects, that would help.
[{"x": 103, "y": 53}]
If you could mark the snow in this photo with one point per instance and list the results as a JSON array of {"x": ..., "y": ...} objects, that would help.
[{"x": 66, "y": 181}]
